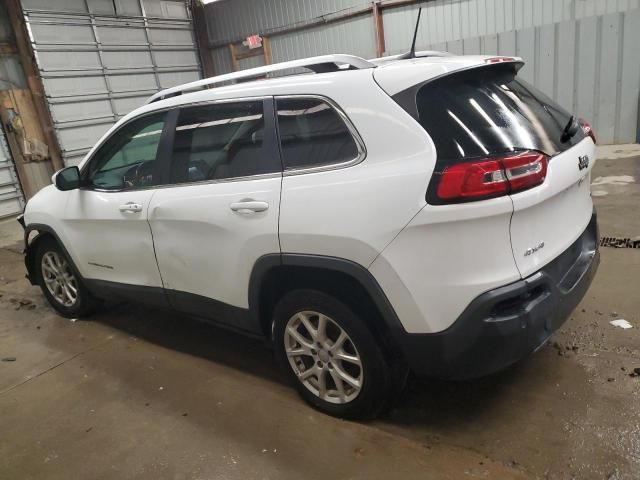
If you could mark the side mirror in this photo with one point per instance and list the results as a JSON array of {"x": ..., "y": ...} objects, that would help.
[{"x": 68, "y": 179}]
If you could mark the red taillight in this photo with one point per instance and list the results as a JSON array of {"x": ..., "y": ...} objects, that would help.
[
  {"x": 586, "y": 128},
  {"x": 485, "y": 178}
]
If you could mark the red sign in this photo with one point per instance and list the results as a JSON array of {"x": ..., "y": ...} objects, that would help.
[{"x": 253, "y": 41}]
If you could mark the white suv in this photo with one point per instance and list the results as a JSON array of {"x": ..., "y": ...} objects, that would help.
[{"x": 368, "y": 219}]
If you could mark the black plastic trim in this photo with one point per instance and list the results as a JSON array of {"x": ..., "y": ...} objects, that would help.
[
  {"x": 220, "y": 313},
  {"x": 354, "y": 270},
  {"x": 153, "y": 296}
]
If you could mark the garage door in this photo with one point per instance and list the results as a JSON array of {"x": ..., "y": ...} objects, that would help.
[
  {"x": 11, "y": 201},
  {"x": 100, "y": 59}
]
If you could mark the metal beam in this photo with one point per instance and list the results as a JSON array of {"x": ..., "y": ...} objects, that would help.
[
  {"x": 202, "y": 38},
  {"x": 378, "y": 26},
  {"x": 23, "y": 45}
]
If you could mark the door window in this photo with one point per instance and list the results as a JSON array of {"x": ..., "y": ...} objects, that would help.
[
  {"x": 127, "y": 159},
  {"x": 313, "y": 134},
  {"x": 220, "y": 141}
]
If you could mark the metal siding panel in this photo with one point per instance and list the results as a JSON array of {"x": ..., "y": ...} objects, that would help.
[
  {"x": 455, "y": 47},
  {"x": 171, "y": 58},
  {"x": 55, "y": 5},
  {"x": 455, "y": 21},
  {"x": 101, "y": 7},
  {"x": 171, "y": 79},
  {"x": 63, "y": 61},
  {"x": 127, "y": 83},
  {"x": 546, "y": 74},
  {"x": 566, "y": 57},
  {"x": 507, "y": 43},
  {"x": 473, "y": 18},
  {"x": 78, "y": 111},
  {"x": 121, "y": 35},
  {"x": 11, "y": 200},
  {"x": 586, "y": 78},
  {"x": 221, "y": 60},
  {"x": 128, "y": 7},
  {"x": 471, "y": 46},
  {"x": 610, "y": 34},
  {"x": 509, "y": 16},
  {"x": 491, "y": 16},
  {"x": 73, "y": 34},
  {"x": 115, "y": 60},
  {"x": 525, "y": 48},
  {"x": 69, "y": 85},
  {"x": 428, "y": 33},
  {"x": 490, "y": 44},
  {"x": 518, "y": 14},
  {"x": 499, "y": 13},
  {"x": 630, "y": 79}
]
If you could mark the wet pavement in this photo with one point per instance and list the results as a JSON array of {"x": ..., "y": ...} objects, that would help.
[{"x": 141, "y": 393}]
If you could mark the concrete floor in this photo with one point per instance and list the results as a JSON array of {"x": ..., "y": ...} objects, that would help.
[{"x": 139, "y": 393}]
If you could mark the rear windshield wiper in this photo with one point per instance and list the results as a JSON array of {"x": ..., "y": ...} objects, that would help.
[{"x": 570, "y": 129}]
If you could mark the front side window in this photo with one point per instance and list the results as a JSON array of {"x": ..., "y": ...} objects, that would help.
[
  {"x": 127, "y": 159},
  {"x": 225, "y": 140},
  {"x": 312, "y": 134}
]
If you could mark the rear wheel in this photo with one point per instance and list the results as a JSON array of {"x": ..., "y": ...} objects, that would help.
[
  {"x": 59, "y": 282},
  {"x": 330, "y": 355}
]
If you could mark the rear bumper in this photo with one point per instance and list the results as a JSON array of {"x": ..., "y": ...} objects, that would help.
[{"x": 506, "y": 324}]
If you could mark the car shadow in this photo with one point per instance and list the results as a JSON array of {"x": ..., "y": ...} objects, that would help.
[
  {"x": 192, "y": 336},
  {"x": 430, "y": 403},
  {"x": 441, "y": 403}
]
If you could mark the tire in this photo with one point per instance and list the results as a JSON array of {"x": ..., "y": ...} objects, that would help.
[
  {"x": 366, "y": 393},
  {"x": 50, "y": 260}
]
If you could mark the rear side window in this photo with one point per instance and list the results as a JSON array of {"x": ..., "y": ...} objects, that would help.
[
  {"x": 219, "y": 141},
  {"x": 313, "y": 134},
  {"x": 488, "y": 111}
]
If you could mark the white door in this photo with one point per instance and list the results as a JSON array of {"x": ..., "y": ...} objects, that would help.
[
  {"x": 105, "y": 222},
  {"x": 221, "y": 214}
]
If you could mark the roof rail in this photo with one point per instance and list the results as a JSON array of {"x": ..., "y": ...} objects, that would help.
[
  {"x": 422, "y": 54},
  {"x": 321, "y": 64}
]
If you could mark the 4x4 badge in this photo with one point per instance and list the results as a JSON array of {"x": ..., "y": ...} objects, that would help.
[{"x": 583, "y": 162}]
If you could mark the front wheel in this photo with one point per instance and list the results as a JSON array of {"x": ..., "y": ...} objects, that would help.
[
  {"x": 330, "y": 355},
  {"x": 59, "y": 282}
]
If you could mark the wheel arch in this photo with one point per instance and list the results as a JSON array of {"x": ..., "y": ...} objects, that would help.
[
  {"x": 275, "y": 275},
  {"x": 31, "y": 247}
]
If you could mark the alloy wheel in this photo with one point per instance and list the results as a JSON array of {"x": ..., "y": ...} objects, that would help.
[
  {"x": 59, "y": 279},
  {"x": 323, "y": 357}
]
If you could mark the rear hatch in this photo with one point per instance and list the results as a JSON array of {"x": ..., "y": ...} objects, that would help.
[{"x": 496, "y": 135}]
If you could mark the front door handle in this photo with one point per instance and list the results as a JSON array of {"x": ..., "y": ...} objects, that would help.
[
  {"x": 249, "y": 206},
  {"x": 131, "y": 207}
]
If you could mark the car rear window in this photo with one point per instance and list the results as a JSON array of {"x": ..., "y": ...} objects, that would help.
[{"x": 488, "y": 111}]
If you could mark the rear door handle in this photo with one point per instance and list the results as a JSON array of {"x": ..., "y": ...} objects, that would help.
[
  {"x": 249, "y": 206},
  {"x": 131, "y": 207}
]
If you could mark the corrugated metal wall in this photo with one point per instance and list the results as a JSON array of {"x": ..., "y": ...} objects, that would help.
[
  {"x": 447, "y": 20},
  {"x": 583, "y": 53},
  {"x": 98, "y": 64},
  {"x": 11, "y": 199}
]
